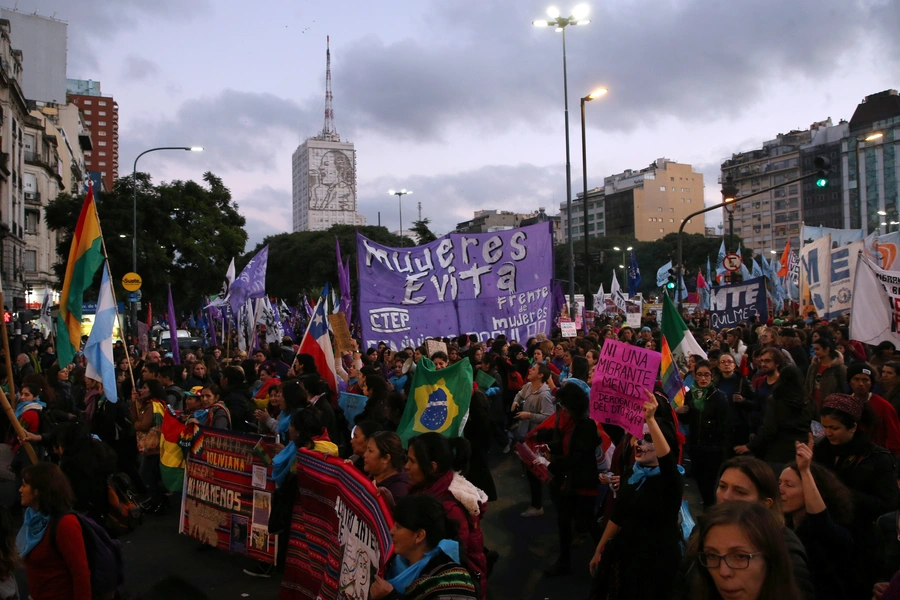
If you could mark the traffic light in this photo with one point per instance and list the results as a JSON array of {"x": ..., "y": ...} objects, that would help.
[
  {"x": 823, "y": 171},
  {"x": 670, "y": 284}
]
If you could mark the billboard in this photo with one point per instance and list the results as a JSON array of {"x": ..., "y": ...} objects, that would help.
[
  {"x": 332, "y": 179},
  {"x": 485, "y": 284}
]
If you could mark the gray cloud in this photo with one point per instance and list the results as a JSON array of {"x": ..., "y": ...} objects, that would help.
[
  {"x": 268, "y": 212},
  {"x": 242, "y": 131},
  {"x": 487, "y": 70},
  {"x": 93, "y": 22},
  {"x": 451, "y": 198},
  {"x": 137, "y": 68}
]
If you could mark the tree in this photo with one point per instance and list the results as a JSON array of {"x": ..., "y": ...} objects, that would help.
[
  {"x": 303, "y": 262},
  {"x": 187, "y": 234},
  {"x": 423, "y": 233}
]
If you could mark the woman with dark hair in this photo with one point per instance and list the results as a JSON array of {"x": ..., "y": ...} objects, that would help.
[
  {"x": 827, "y": 373},
  {"x": 286, "y": 404},
  {"x": 359, "y": 441},
  {"x": 740, "y": 553},
  {"x": 740, "y": 396},
  {"x": 58, "y": 377},
  {"x": 573, "y": 440},
  {"x": 866, "y": 469},
  {"x": 706, "y": 412},
  {"x": 56, "y": 568},
  {"x": 819, "y": 509},
  {"x": 383, "y": 461},
  {"x": 436, "y": 466},
  {"x": 426, "y": 562},
  {"x": 319, "y": 395},
  {"x": 478, "y": 431},
  {"x": 645, "y": 516},
  {"x": 374, "y": 388},
  {"x": 305, "y": 364},
  {"x": 146, "y": 409},
  {"x": 786, "y": 421}
]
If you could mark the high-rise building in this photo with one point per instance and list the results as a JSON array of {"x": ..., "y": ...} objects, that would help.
[
  {"x": 646, "y": 204},
  {"x": 42, "y": 42},
  {"x": 766, "y": 221},
  {"x": 324, "y": 174},
  {"x": 822, "y": 206},
  {"x": 486, "y": 221},
  {"x": 101, "y": 117}
]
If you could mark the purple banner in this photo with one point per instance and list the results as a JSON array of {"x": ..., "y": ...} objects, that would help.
[
  {"x": 482, "y": 283},
  {"x": 251, "y": 283}
]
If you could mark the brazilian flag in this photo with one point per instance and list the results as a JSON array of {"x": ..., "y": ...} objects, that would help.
[{"x": 438, "y": 400}]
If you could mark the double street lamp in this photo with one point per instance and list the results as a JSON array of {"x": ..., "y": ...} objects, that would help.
[
  {"x": 134, "y": 231},
  {"x": 559, "y": 23},
  {"x": 588, "y": 299},
  {"x": 400, "y": 195}
]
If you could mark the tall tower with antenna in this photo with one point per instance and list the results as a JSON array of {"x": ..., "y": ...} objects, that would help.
[{"x": 324, "y": 173}]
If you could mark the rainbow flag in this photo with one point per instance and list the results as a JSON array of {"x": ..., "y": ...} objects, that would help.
[
  {"x": 85, "y": 257},
  {"x": 673, "y": 384}
]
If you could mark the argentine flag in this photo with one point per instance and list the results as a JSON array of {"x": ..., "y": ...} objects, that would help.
[{"x": 99, "y": 348}]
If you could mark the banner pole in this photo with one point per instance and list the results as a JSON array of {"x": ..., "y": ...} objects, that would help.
[{"x": 10, "y": 413}]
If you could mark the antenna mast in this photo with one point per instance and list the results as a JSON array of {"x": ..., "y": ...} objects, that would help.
[
  {"x": 420, "y": 211},
  {"x": 329, "y": 131}
]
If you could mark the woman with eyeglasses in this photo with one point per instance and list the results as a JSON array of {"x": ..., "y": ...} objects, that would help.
[
  {"x": 740, "y": 554},
  {"x": 740, "y": 396},
  {"x": 645, "y": 519},
  {"x": 706, "y": 411}
]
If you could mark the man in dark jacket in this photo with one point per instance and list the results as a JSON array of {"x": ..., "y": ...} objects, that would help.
[{"x": 236, "y": 396}]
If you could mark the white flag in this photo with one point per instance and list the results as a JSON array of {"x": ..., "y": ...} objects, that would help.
[
  {"x": 222, "y": 298},
  {"x": 616, "y": 293},
  {"x": 46, "y": 319},
  {"x": 878, "y": 322},
  {"x": 600, "y": 301},
  {"x": 662, "y": 275}
]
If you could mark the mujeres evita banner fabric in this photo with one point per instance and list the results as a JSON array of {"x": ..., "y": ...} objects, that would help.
[{"x": 482, "y": 283}]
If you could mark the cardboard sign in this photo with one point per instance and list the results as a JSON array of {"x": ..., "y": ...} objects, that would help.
[
  {"x": 227, "y": 501},
  {"x": 342, "y": 340},
  {"x": 432, "y": 346},
  {"x": 569, "y": 330},
  {"x": 622, "y": 374}
]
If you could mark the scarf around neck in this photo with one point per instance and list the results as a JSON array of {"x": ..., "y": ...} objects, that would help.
[
  {"x": 401, "y": 574},
  {"x": 699, "y": 395},
  {"x": 32, "y": 531},
  {"x": 641, "y": 473},
  {"x": 35, "y": 404}
]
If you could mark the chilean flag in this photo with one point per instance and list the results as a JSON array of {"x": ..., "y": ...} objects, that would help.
[{"x": 317, "y": 343}]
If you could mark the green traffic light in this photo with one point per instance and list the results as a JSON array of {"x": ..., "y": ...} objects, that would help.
[
  {"x": 821, "y": 182},
  {"x": 670, "y": 285}
]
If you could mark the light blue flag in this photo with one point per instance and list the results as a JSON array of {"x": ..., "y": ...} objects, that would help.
[
  {"x": 720, "y": 269},
  {"x": 709, "y": 279},
  {"x": 662, "y": 274},
  {"x": 757, "y": 272},
  {"x": 766, "y": 267},
  {"x": 99, "y": 348}
]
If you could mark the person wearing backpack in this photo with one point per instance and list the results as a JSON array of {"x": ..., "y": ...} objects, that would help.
[{"x": 56, "y": 568}]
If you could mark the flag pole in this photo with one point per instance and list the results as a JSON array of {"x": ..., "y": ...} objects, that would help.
[
  {"x": 7, "y": 407},
  {"x": 112, "y": 290}
]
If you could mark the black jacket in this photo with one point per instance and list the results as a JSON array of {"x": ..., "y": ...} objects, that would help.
[
  {"x": 238, "y": 401},
  {"x": 786, "y": 421},
  {"x": 709, "y": 427}
]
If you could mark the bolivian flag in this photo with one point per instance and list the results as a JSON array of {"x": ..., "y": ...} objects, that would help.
[
  {"x": 85, "y": 257},
  {"x": 438, "y": 400},
  {"x": 171, "y": 454}
]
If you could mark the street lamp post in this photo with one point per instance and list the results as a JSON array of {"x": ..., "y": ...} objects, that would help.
[
  {"x": 134, "y": 230},
  {"x": 729, "y": 194},
  {"x": 588, "y": 298},
  {"x": 560, "y": 23},
  {"x": 400, "y": 195}
]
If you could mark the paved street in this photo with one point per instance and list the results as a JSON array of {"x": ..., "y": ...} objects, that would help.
[{"x": 158, "y": 556}]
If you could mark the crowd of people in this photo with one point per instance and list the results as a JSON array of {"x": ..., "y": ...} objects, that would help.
[{"x": 789, "y": 429}]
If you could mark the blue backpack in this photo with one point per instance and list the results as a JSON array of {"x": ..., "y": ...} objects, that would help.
[{"x": 105, "y": 557}]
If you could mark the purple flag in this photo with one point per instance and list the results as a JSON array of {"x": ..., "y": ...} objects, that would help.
[
  {"x": 213, "y": 340},
  {"x": 485, "y": 284},
  {"x": 251, "y": 283},
  {"x": 346, "y": 304},
  {"x": 173, "y": 330},
  {"x": 286, "y": 326},
  {"x": 559, "y": 300}
]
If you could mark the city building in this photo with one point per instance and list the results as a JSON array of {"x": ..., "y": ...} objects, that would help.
[
  {"x": 42, "y": 183},
  {"x": 42, "y": 42},
  {"x": 766, "y": 221},
  {"x": 646, "y": 204},
  {"x": 13, "y": 116},
  {"x": 559, "y": 236},
  {"x": 324, "y": 175},
  {"x": 101, "y": 118},
  {"x": 486, "y": 221},
  {"x": 870, "y": 163},
  {"x": 822, "y": 206}
]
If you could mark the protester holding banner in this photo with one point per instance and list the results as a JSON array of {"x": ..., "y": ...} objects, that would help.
[
  {"x": 426, "y": 563},
  {"x": 645, "y": 517},
  {"x": 435, "y": 465},
  {"x": 706, "y": 411}
]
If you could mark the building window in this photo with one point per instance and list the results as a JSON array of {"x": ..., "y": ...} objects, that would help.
[
  {"x": 688, "y": 190},
  {"x": 101, "y": 164},
  {"x": 672, "y": 178},
  {"x": 102, "y": 102},
  {"x": 30, "y": 260},
  {"x": 102, "y": 113},
  {"x": 88, "y": 123},
  {"x": 32, "y": 220},
  {"x": 673, "y": 189},
  {"x": 662, "y": 188},
  {"x": 87, "y": 112},
  {"x": 101, "y": 123},
  {"x": 101, "y": 133},
  {"x": 88, "y": 102},
  {"x": 101, "y": 153},
  {"x": 102, "y": 173},
  {"x": 689, "y": 200},
  {"x": 671, "y": 210},
  {"x": 661, "y": 230},
  {"x": 101, "y": 143},
  {"x": 671, "y": 220}
]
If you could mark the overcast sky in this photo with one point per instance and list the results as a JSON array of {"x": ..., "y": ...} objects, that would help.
[{"x": 462, "y": 102}]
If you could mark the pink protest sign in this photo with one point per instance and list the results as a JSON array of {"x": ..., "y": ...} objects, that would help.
[{"x": 622, "y": 374}]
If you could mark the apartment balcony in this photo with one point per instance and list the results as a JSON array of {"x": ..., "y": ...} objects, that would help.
[
  {"x": 37, "y": 159},
  {"x": 33, "y": 198}
]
